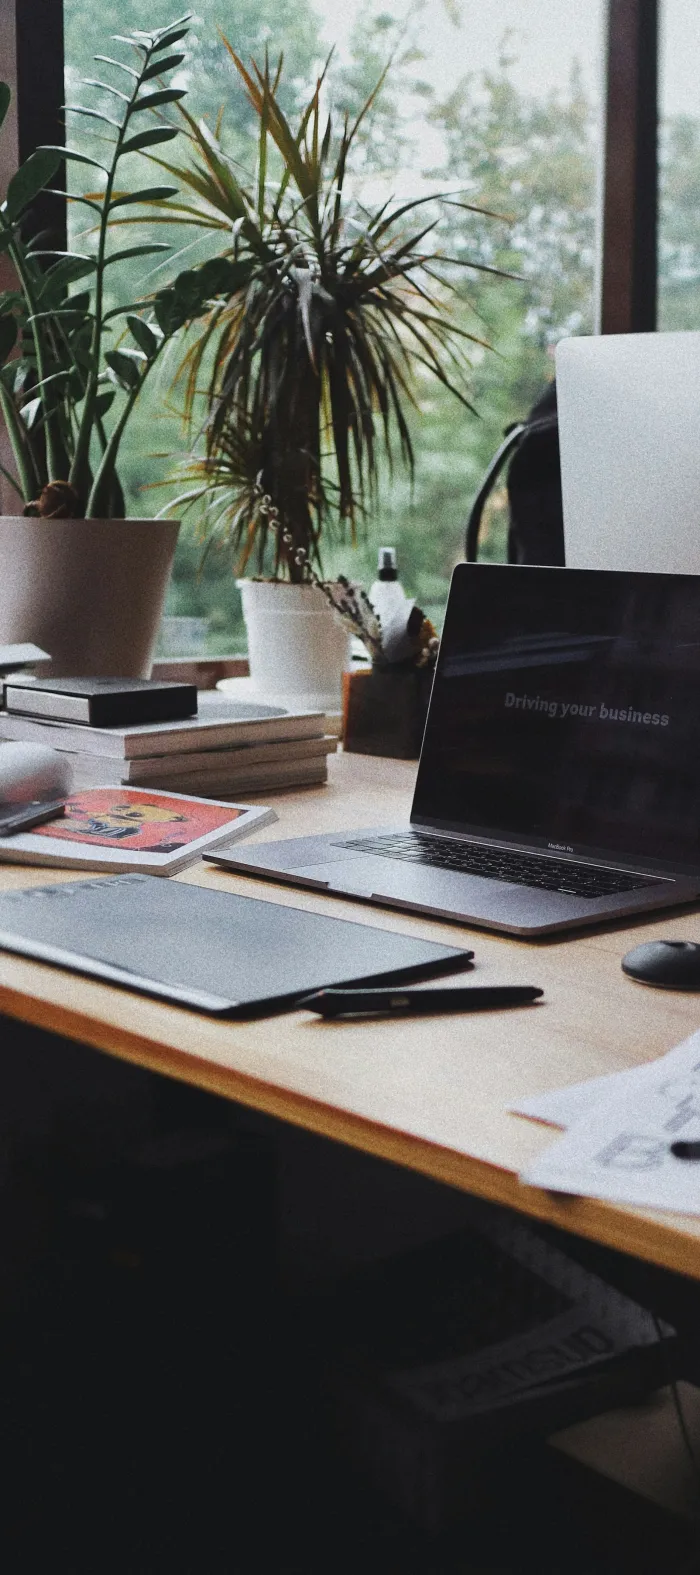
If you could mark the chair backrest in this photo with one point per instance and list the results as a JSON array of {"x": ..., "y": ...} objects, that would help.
[{"x": 536, "y": 528}]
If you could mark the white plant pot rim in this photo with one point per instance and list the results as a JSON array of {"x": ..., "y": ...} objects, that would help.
[{"x": 307, "y": 591}]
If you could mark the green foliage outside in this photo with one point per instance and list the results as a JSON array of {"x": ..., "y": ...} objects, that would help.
[
  {"x": 679, "y": 251},
  {"x": 530, "y": 158}
]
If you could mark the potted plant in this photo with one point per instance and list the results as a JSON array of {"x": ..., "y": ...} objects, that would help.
[
  {"x": 319, "y": 314},
  {"x": 75, "y": 576}
]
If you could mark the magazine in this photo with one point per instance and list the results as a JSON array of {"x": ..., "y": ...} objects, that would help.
[{"x": 128, "y": 829}]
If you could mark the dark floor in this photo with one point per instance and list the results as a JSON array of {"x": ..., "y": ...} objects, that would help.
[
  {"x": 161, "y": 1388},
  {"x": 166, "y": 1419}
]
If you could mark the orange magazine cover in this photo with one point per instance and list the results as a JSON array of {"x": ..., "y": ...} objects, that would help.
[{"x": 134, "y": 829}]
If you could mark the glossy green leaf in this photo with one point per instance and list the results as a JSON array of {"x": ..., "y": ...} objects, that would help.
[
  {"x": 30, "y": 413},
  {"x": 69, "y": 269},
  {"x": 21, "y": 369},
  {"x": 156, "y": 100},
  {"x": 146, "y": 338},
  {"x": 30, "y": 179},
  {"x": 93, "y": 114},
  {"x": 137, "y": 251},
  {"x": 105, "y": 87},
  {"x": 86, "y": 202},
  {"x": 173, "y": 35},
  {"x": 65, "y": 314},
  {"x": 147, "y": 194},
  {"x": 104, "y": 401},
  {"x": 120, "y": 311},
  {"x": 125, "y": 366},
  {"x": 107, "y": 60},
  {"x": 192, "y": 291},
  {"x": 76, "y": 157},
  {"x": 148, "y": 139},
  {"x": 170, "y": 63},
  {"x": 123, "y": 38}
]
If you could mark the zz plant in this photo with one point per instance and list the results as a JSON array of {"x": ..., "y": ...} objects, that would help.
[{"x": 72, "y": 368}]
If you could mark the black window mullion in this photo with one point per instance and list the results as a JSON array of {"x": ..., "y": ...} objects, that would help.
[
  {"x": 629, "y": 242},
  {"x": 33, "y": 63}
]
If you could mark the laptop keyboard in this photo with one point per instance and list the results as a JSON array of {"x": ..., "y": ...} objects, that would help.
[{"x": 520, "y": 869}]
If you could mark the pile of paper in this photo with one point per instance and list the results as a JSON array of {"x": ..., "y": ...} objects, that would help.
[{"x": 619, "y": 1132}]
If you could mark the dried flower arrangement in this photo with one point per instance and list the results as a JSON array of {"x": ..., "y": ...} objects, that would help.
[{"x": 415, "y": 646}]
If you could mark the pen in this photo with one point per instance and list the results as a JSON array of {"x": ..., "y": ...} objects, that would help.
[
  {"x": 409, "y": 1003},
  {"x": 22, "y": 816}
]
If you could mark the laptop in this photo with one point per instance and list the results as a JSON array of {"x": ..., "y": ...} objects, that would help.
[
  {"x": 559, "y": 779},
  {"x": 629, "y": 434}
]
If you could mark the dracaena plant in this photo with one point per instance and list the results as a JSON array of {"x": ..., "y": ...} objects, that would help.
[
  {"x": 318, "y": 313},
  {"x": 71, "y": 370}
]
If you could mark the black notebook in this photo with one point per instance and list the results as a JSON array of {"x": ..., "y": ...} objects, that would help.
[
  {"x": 215, "y": 951},
  {"x": 101, "y": 702}
]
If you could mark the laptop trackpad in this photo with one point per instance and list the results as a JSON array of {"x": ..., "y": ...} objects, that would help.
[{"x": 376, "y": 877}]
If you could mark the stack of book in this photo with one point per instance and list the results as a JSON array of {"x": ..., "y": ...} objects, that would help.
[{"x": 229, "y": 747}]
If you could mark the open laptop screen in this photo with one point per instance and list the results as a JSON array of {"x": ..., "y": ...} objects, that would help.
[{"x": 566, "y": 713}]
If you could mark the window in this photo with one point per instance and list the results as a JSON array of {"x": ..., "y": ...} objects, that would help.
[{"x": 502, "y": 101}]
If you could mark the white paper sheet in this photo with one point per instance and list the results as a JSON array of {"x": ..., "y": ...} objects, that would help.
[
  {"x": 619, "y": 1147},
  {"x": 562, "y": 1107}
]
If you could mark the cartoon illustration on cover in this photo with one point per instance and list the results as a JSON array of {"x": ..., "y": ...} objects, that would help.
[
  {"x": 122, "y": 820},
  {"x": 148, "y": 822}
]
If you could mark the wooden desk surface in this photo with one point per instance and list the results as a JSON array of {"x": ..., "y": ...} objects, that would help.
[{"x": 429, "y": 1094}]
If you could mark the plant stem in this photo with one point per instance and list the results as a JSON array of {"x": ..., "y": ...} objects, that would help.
[
  {"x": 102, "y": 486},
  {"x": 54, "y": 448},
  {"x": 81, "y": 455},
  {"x": 12, "y": 482},
  {"x": 29, "y": 480},
  {"x": 106, "y": 477}
]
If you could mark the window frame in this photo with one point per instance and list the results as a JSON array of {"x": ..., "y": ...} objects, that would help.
[{"x": 32, "y": 51}]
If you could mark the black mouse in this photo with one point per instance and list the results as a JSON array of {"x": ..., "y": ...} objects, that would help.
[{"x": 672, "y": 965}]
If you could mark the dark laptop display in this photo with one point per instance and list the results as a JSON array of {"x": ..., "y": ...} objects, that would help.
[{"x": 565, "y": 714}]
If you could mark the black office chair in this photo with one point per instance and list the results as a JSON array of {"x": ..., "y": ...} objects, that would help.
[{"x": 536, "y": 529}]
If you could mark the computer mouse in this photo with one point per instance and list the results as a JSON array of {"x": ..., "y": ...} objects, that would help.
[{"x": 671, "y": 965}]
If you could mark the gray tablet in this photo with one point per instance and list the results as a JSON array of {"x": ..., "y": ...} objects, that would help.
[{"x": 214, "y": 951}]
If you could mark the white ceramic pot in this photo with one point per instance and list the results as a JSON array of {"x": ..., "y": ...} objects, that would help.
[
  {"x": 90, "y": 592},
  {"x": 297, "y": 646}
]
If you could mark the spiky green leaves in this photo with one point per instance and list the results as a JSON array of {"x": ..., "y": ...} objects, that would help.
[{"x": 315, "y": 341}]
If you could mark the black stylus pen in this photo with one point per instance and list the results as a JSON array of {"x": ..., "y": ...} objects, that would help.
[{"x": 417, "y": 1003}]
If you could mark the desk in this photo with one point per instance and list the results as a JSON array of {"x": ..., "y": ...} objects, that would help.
[{"x": 431, "y": 1095}]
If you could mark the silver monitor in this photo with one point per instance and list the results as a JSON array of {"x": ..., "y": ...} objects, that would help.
[{"x": 629, "y": 428}]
